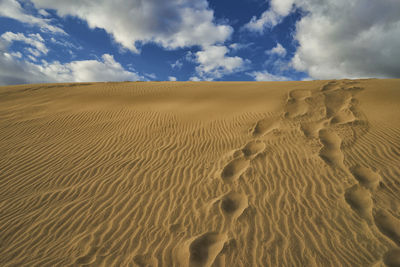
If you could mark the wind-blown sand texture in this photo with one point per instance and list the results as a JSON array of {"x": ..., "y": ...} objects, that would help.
[{"x": 200, "y": 174}]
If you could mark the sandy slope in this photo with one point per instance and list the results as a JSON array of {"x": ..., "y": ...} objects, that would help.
[{"x": 200, "y": 174}]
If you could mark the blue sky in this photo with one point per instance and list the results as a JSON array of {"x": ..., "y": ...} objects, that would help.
[{"x": 236, "y": 40}]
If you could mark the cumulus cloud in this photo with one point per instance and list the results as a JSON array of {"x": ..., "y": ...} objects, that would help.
[
  {"x": 172, "y": 78},
  {"x": 214, "y": 62},
  {"x": 177, "y": 64},
  {"x": 151, "y": 76},
  {"x": 16, "y": 54},
  {"x": 277, "y": 50},
  {"x": 171, "y": 24},
  {"x": 352, "y": 39},
  {"x": 266, "y": 76},
  {"x": 106, "y": 69},
  {"x": 194, "y": 79},
  {"x": 273, "y": 16},
  {"x": 12, "y": 9},
  {"x": 65, "y": 43},
  {"x": 34, "y": 40},
  {"x": 341, "y": 38},
  {"x": 239, "y": 46},
  {"x": 43, "y": 13},
  {"x": 15, "y": 71}
]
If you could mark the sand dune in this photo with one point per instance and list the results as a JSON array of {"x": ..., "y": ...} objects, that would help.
[{"x": 200, "y": 174}]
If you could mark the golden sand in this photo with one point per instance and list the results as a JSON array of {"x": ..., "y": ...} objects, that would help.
[{"x": 200, "y": 174}]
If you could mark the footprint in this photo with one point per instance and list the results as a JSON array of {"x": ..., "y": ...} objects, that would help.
[
  {"x": 233, "y": 204},
  {"x": 353, "y": 89},
  {"x": 388, "y": 225},
  {"x": 253, "y": 148},
  {"x": 344, "y": 116},
  {"x": 350, "y": 82},
  {"x": 299, "y": 94},
  {"x": 336, "y": 101},
  {"x": 330, "y": 152},
  {"x": 234, "y": 169},
  {"x": 205, "y": 248},
  {"x": 330, "y": 86},
  {"x": 392, "y": 258},
  {"x": 295, "y": 108},
  {"x": 360, "y": 201},
  {"x": 264, "y": 126},
  {"x": 311, "y": 129},
  {"x": 366, "y": 177}
]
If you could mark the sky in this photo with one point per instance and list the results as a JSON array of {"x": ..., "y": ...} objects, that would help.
[{"x": 182, "y": 40}]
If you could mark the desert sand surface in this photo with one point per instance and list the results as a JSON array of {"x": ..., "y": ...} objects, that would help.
[{"x": 200, "y": 174}]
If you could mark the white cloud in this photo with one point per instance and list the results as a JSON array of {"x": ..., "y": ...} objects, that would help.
[
  {"x": 194, "y": 79},
  {"x": 273, "y": 16},
  {"x": 15, "y": 71},
  {"x": 16, "y": 54},
  {"x": 44, "y": 13},
  {"x": 266, "y": 76},
  {"x": 32, "y": 58},
  {"x": 35, "y": 53},
  {"x": 34, "y": 40},
  {"x": 12, "y": 9},
  {"x": 239, "y": 46},
  {"x": 268, "y": 19},
  {"x": 351, "y": 39},
  {"x": 177, "y": 64},
  {"x": 341, "y": 38},
  {"x": 277, "y": 50},
  {"x": 282, "y": 7},
  {"x": 106, "y": 69},
  {"x": 279, "y": 65},
  {"x": 172, "y": 24},
  {"x": 214, "y": 63},
  {"x": 171, "y": 78},
  {"x": 65, "y": 43},
  {"x": 151, "y": 76}
]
